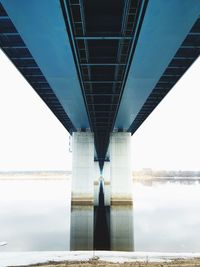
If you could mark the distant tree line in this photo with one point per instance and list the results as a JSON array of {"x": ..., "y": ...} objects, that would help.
[{"x": 164, "y": 173}]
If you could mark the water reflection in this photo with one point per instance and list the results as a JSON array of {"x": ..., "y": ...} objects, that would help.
[
  {"x": 35, "y": 215},
  {"x": 168, "y": 217},
  {"x": 101, "y": 223},
  {"x": 82, "y": 222},
  {"x": 104, "y": 228},
  {"x": 121, "y": 226}
]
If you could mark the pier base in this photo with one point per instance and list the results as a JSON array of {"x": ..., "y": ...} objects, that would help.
[{"x": 120, "y": 168}]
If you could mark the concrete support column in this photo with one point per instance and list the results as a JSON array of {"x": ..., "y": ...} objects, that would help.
[
  {"x": 83, "y": 168},
  {"x": 106, "y": 182},
  {"x": 97, "y": 177},
  {"x": 120, "y": 168}
]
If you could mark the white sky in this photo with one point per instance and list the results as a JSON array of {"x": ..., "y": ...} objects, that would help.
[
  {"x": 170, "y": 137},
  {"x": 31, "y": 137}
]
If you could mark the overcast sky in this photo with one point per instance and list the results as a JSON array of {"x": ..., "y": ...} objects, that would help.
[{"x": 31, "y": 137}]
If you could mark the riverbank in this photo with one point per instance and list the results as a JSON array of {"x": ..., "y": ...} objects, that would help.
[
  {"x": 91, "y": 263},
  {"x": 31, "y": 175},
  {"x": 99, "y": 259}
]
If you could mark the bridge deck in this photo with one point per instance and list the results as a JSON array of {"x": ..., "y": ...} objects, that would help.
[{"x": 103, "y": 37}]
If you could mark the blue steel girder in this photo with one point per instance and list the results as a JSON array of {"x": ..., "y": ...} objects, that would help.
[
  {"x": 35, "y": 39},
  {"x": 168, "y": 44}
]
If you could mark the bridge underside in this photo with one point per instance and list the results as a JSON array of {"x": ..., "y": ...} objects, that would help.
[
  {"x": 102, "y": 65},
  {"x": 102, "y": 34}
]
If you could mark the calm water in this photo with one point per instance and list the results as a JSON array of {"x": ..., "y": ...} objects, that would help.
[{"x": 35, "y": 215}]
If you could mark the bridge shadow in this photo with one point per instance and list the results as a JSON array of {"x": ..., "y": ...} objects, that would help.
[{"x": 102, "y": 224}]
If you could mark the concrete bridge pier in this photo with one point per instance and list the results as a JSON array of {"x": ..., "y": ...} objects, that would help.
[
  {"x": 106, "y": 183},
  {"x": 116, "y": 173},
  {"x": 83, "y": 170},
  {"x": 120, "y": 168},
  {"x": 117, "y": 188}
]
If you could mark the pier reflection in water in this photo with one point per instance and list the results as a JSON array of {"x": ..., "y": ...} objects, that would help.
[
  {"x": 82, "y": 221},
  {"x": 101, "y": 223},
  {"x": 102, "y": 227}
]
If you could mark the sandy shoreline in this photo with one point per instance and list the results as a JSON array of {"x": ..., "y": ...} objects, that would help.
[
  {"x": 174, "y": 263},
  {"x": 98, "y": 258}
]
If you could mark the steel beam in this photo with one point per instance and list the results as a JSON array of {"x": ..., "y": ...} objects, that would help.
[
  {"x": 21, "y": 58},
  {"x": 102, "y": 104},
  {"x": 102, "y": 82},
  {"x": 102, "y": 64},
  {"x": 10, "y": 33},
  {"x": 14, "y": 47},
  {"x": 101, "y": 94},
  {"x": 102, "y": 38}
]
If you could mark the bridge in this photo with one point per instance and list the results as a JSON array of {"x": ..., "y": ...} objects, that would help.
[{"x": 101, "y": 67}]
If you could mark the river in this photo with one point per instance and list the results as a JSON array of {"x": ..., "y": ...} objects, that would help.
[{"x": 35, "y": 215}]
